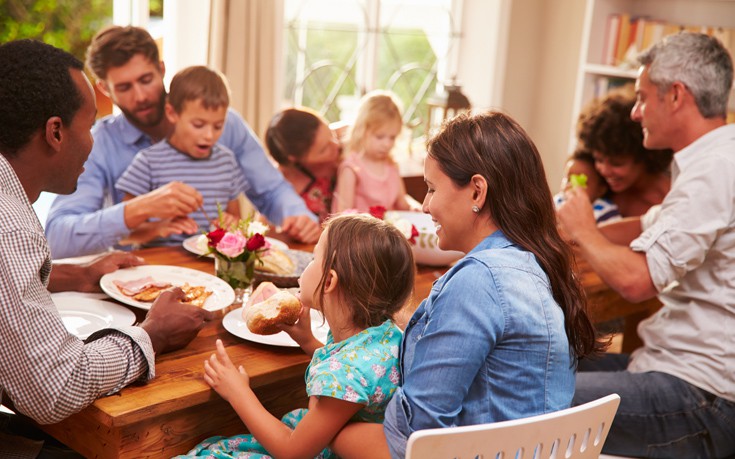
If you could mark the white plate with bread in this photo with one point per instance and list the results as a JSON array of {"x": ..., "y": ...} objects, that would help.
[
  {"x": 268, "y": 306},
  {"x": 235, "y": 324}
]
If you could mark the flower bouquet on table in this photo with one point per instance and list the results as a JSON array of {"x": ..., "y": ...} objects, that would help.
[
  {"x": 236, "y": 249},
  {"x": 404, "y": 226}
]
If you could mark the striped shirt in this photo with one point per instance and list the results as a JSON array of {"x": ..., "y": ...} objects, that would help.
[
  {"x": 48, "y": 373},
  {"x": 218, "y": 178}
]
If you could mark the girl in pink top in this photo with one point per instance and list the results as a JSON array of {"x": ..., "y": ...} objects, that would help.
[{"x": 369, "y": 176}]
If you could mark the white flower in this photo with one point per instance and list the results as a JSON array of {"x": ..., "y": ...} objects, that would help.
[
  {"x": 256, "y": 228},
  {"x": 404, "y": 226},
  {"x": 202, "y": 244}
]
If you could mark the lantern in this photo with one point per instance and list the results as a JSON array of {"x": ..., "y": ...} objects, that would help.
[{"x": 445, "y": 105}]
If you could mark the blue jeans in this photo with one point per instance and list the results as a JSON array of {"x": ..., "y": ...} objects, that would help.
[{"x": 660, "y": 415}]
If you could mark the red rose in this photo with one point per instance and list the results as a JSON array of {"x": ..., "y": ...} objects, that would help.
[
  {"x": 377, "y": 212},
  {"x": 255, "y": 242},
  {"x": 215, "y": 236},
  {"x": 414, "y": 235}
]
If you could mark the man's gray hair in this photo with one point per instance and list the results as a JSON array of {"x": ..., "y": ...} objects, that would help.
[{"x": 698, "y": 61}]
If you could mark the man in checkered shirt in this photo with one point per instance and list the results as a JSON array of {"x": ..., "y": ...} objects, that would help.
[{"x": 47, "y": 108}]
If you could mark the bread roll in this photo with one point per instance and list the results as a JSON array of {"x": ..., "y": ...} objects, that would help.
[
  {"x": 280, "y": 308},
  {"x": 275, "y": 261}
]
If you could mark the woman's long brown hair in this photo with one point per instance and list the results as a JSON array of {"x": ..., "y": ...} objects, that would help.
[{"x": 519, "y": 202}]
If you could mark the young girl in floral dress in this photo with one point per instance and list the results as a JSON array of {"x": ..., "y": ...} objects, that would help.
[{"x": 362, "y": 274}]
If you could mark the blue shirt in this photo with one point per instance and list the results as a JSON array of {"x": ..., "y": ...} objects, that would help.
[
  {"x": 217, "y": 177},
  {"x": 487, "y": 345},
  {"x": 91, "y": 219}
]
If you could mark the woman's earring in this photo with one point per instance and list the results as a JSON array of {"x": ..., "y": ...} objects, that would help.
[{"x": 475, "y": 209}]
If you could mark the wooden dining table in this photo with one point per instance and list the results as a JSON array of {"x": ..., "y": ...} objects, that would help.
[{"x": 177, "y": 409}]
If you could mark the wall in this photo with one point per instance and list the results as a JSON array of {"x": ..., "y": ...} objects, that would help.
[
  {"x": 541, "y": 70},
  {"x": 521, "y": 56}
]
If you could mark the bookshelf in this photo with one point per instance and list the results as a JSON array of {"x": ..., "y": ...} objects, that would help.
[{"x": 603, "y": 65}]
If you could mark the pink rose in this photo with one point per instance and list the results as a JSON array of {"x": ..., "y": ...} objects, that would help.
[{"x": 232, "y": 245}]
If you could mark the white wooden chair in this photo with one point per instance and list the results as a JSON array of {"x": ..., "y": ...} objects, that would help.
[{"x": 577, "y": 432}]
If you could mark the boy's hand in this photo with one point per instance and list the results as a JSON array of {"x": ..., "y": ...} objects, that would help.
[
  {"x": 148, "y": 231},
  {"x": 175, "y": 199}
]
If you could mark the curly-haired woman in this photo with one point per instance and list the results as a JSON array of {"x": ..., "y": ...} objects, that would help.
[{"x": 638, "y": 178}]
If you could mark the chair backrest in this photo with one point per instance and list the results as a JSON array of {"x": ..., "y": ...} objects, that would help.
[{"x": 577, "y": 432}]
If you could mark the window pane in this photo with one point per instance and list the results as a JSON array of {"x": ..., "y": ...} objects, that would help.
[
  {"x": 323, "y": 39},
  {"x": 414, "y": 47},
  {"x": 333, "y": 55}
]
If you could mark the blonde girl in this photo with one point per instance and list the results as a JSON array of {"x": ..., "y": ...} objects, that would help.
[
  {"x": 361, "y": 275},
  {"x": 369, "y": 176}
]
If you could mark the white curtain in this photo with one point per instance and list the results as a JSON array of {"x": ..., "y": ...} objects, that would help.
[{"x": 245, "y": 45}]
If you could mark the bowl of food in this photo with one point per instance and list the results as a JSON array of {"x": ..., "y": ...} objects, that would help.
[{"x": 426, "y": 250}]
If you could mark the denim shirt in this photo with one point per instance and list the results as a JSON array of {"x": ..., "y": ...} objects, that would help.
[
  {"x": 91, "y": 219},
  {"x": 487, "y": 345}
]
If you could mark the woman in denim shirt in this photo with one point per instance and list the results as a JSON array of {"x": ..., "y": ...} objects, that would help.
[{"x": 499, "y": 336}]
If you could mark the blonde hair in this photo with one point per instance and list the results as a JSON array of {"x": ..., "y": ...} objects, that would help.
[{"x": 377, "y": 108}]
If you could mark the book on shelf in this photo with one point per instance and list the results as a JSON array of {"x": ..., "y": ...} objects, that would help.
[
  {"x": 611, "y": 39},
  {"x": 623, "y": 38},
  {"x": 627, "y": 35}
]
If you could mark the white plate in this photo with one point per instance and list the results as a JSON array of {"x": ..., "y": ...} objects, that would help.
[
  {"x": 222, "y": 294},
  {"x": 83, "y": 315},
  {"x": 190, "y": 244},
  {"x": 234, "y": 324}
]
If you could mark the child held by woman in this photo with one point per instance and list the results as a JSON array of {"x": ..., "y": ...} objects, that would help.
[
  {"x": 580, "y": 171},
  {"x": 369, "y": 176},
  {"x": 361, "y": 275}
]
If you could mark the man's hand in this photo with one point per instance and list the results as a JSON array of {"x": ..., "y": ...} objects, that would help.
[
  {"x": 86, "y": 277},
  {"x": 148, "y": 231},
  {"x": 172, "y": 200},
  {"x": 172, "y": 324},
  {"x": 575, "y": 215},
  {"x": 302, "y": 228}
]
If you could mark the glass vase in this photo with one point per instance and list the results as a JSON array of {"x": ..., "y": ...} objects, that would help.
[{"x": 238, "y": 274}]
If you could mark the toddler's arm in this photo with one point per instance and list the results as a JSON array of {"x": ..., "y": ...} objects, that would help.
[
  {"x": 405, "y": 201},
  {"x": 318, "y": 427},
  {"x": 344, "y": 193}
]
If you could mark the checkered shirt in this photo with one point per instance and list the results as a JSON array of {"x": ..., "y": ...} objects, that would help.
[{"x": 48, "y": 373}]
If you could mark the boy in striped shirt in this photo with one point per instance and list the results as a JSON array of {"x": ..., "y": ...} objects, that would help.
[{"x": 197, "y": 106}]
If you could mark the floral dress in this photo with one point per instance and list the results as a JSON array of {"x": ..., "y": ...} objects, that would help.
[{"x": 361, "y": 369}]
